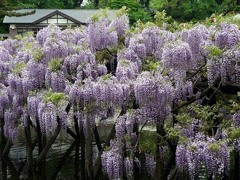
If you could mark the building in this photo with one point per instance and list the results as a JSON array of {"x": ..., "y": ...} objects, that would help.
[{"x": 43, "y": 17}]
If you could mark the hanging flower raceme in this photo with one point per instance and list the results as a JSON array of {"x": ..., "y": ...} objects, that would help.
[
  {"x": 236, "y": 119},
  {"x": 4, "y": 100},
  {"x": 126, "y": 70},
  {"x": 72, "y": 36},
  {"x": 10, "y": 125},
  {"x": 195, "y": 37},
  {"x": 120, "y": 24},
  {"x": 112, "y": 162},
  {"x": 36, "y": 72},
  {"x": 54, "y": 77},
  {"x": 124, "y": 125},
  {"x": 6, "y": 61},
  {"x": 100, "y": 33},
  {"x": 55, "y": 48},
  {"x": 4, "y": 69},
  {"x": 47, "y": 116},
  {"x": 227, "y": 36},
  {"x": 128, "y": 167},
  {"x": 50, "y": 31},
  {"x": 155, "y": 39},
  {"x": 154, "y": 96},
  {"x": 32, "y": 105},
  {"x": 177, "y": 57},
  {"x": 197, "y": 151},
  {"x": 5, "y": 56},
  {"x": 50, "y": 108},
  {"x": 102, "y": 94},
  {"x": 11, "y": 45},
  {"x": 150, "y": 164},
  {"x": 136, "y": 43},
  {"x": 83, "y": 65},
  {"x": 151, "y": 38},
  {"x": 55, "y": 81},
  {"x": 130, "y": 55},
  {"x": 236, "y": 125}
]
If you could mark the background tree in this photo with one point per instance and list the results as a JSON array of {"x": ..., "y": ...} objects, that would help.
[{"x": 136, "y": 11}]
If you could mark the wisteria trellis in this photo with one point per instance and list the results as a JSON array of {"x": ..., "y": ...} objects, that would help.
[{"x": 42, "y": 77}]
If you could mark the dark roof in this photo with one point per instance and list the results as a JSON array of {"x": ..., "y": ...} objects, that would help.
[{"x": 76, "y": 15}]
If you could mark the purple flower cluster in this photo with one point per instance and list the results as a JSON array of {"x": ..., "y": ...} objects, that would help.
[
  {"x": 112, "y": 163},
  {"x": 47, "y": 115},
  {"x": 121, "y": 25},
  {"x": 178, "y": 56},
  {"x": 33, "y": 102},
  {"x": 195, "y": 38},
  {"x": 128, "y": 167},
  {"x": 55, "y": 81},
  {"x": 227, "y": 36},
  {"x": 11, "y": 125},
  {"x": 201, "y": 151},
  {"x": 101, "y": 35},
  {"x": 150, "y": 164},
  {"x": 155, "y": 39},
  {"x": 153, "y": 95},
  {"x": 236, "y": 119},
  {"x": 136, "y": 43}
]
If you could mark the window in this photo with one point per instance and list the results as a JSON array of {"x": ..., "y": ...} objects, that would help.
[{"x": 57, "y": 19}]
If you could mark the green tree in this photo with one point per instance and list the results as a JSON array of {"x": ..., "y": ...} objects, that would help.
[
  {"x": 6, "y": 8},
  {"x": 199, "y": 9},
  {"x": 136, "y": 11},
  {"x": 185, "y": 10}
]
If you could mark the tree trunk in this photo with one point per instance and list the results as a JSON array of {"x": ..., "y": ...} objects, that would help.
[
  {"x": 238, "y": 2},
  {"x": 82, "y": 160},
  {"x": 236, "y": 165},
  {"x": 97, "y": 138},
  {"x": 89, "y": 151},
  {"x": 12, "y": 170},
  {"x": 160, "y": 175},
  {"x": 28, "y": 145},
  {"x": 147, "y": 3},
  {"x": 63, "y": 160},
  {"x": 76, "y": 162},
  {"x": 48, "y": 146},
  {"x": 3, "y": 166},
  {"x": 96, "y": 3}
]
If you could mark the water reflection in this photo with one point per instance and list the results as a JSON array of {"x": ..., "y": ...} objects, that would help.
[{"x": 62, "y": 161}]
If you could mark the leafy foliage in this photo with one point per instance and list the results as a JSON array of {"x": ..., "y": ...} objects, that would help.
[{"x": 135, "y": 12}]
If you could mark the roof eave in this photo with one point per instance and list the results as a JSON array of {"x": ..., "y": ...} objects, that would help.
[{"x": 54, "y": 13}]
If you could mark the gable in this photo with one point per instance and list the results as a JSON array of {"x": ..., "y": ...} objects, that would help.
[{"x": 57, "y": 19}]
